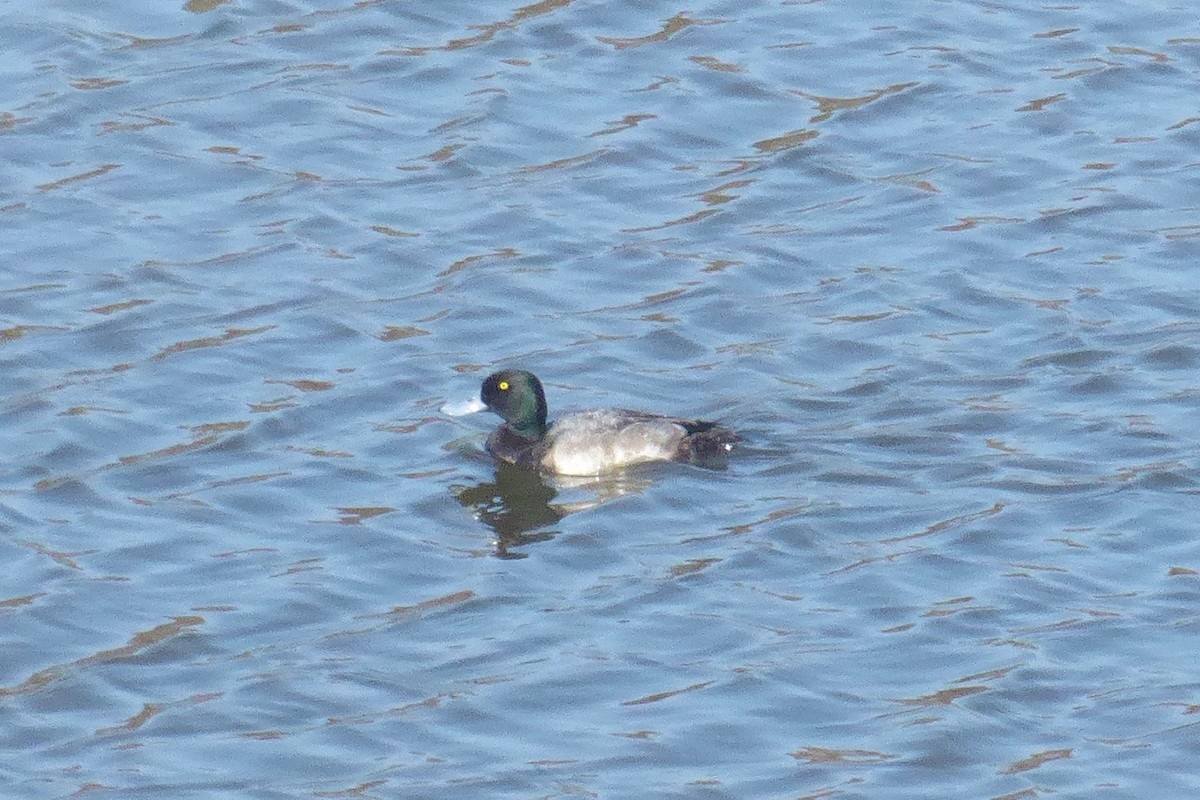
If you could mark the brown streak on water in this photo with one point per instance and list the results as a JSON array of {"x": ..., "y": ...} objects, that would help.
[
  {"x": 488, "y": 31},
  {"x": 138, "y": 643},
  {"x": 112, "y": 308},
  {"x": 825, "y": 755},
  {"x": 948, "y": 524},
  {"x": 659, "y": 696},
  {"x": 1036, "y": 760},
  {"x": 944, "y": 697},
  {"x": 100, "y": 171},
  {"x": 671, "y": 27},
  {"x": 230, "y": 334},
  {"x": 15, "y": 602},
  {"x": 149, "y": 711},
  {"x": 828, "y": 106},
  {"x": 786, "y": 141}
]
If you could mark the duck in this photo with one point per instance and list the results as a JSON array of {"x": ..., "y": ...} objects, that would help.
[{"x": 586, "y": 443}]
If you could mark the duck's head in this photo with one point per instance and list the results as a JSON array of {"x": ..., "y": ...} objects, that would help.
[{"x": 516, "y": 395}]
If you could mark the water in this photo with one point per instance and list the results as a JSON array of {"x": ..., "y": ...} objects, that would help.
[{"x": 936, "y": 263}]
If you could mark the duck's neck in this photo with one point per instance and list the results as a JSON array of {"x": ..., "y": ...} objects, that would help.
[{"x": 529, "y": 429}]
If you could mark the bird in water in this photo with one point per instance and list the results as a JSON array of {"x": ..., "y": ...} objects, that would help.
[{"x": 587, "y": 442}]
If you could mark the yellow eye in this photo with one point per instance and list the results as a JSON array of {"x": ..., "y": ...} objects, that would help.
[{"x": 502, "y": 386}]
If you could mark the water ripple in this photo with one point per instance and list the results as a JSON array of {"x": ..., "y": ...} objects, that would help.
[{"x": 928, "y": 265}]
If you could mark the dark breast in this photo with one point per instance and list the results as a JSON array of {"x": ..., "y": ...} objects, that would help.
[{"x": 508, "y": 446}]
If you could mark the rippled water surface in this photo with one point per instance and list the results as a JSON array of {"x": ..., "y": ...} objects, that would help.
[{"x": 936, "y": 263}]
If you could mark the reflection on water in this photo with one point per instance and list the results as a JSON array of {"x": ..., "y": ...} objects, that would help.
[{"x": 517, "y": 504}]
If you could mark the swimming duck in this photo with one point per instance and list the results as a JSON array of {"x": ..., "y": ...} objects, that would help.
[{"x": 586, "y": 442}]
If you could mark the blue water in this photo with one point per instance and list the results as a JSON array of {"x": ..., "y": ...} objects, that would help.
[{"x": 936, "y": 263}]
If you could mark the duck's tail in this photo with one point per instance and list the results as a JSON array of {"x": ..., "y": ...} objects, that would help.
[{"x": 706, "y": 443}]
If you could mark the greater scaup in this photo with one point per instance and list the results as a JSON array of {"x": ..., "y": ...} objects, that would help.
[{"x": 586, "y": 442}]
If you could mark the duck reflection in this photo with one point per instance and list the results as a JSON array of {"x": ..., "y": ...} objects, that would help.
[{"x": 520, "y": 506}]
